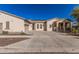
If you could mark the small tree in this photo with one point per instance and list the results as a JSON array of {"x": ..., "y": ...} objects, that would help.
[{"x": 75, "y": 14}]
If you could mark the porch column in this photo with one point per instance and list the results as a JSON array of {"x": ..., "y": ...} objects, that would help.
[
  {"x": 57, "y": 25},
  {"x": 71, "y": 26},
  {"x": 64, "y": 26}
]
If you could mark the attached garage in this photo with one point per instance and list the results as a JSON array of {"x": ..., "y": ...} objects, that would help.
[{"x": 27, "y": 25}]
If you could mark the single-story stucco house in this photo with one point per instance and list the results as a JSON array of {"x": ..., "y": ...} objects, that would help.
[{"x": 12, "y": 23}]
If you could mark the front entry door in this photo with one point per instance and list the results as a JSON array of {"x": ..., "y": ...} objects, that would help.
[
  {"x": 39, "y": 27},
  {"x": 1, "y": 26}
]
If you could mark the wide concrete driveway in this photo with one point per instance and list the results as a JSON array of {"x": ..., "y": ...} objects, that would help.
[{"x": 45, "y": 42}]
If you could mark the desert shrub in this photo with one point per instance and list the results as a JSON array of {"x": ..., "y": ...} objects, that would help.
[
  {"x": 75, "y": 30},
  {"x": 22, "y": 33}
]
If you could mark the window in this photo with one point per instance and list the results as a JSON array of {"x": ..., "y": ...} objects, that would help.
[
  {"x": 40, "y": 26},
  {"x": 7, "y": 25},
  {"x": 37, "y": 26}
]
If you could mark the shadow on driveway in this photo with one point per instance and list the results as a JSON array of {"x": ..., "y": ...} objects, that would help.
[{"x": 7, "y": 41}]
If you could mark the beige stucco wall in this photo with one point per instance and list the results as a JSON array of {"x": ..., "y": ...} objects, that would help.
[
  {"x": 50, "y": 22},
  {"x": 16, "y": 24}
]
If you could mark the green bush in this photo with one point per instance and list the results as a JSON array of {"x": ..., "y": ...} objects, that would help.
[{"x": 75, "y": 30}]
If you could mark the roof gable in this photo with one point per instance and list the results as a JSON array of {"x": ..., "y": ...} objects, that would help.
[{"x": 4, "y": 12}]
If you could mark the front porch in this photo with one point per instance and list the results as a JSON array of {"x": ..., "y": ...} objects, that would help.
[{"x": 62, "y": 26}]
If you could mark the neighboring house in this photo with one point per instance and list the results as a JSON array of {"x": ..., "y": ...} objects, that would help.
[
  {"x": 58, "y": 24},
  {"x": 13, "y": 23},
  {"x": 64, "y": 25}
]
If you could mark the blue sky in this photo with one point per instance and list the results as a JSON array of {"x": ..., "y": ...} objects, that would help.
[{"x": 39, "y": 11}]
